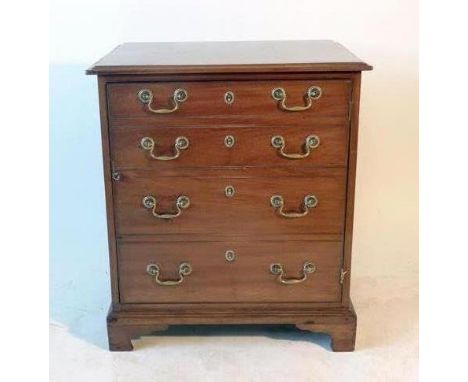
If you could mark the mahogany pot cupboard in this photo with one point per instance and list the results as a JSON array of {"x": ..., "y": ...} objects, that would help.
[{"x": 229, "y": 174}]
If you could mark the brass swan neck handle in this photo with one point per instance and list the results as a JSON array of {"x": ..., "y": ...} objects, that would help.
[
  {"x": 154, "y": 271},
  {"x": 149, "y": 144},
  {"x": 182, "y": 203},
  {"x": 312, "y": 93},
  {"x": 307, "y": 269},
  {"x": 311, "y": 143},
  {"x": 277, "y": 202},
  {"x": 146, "y": 97}
]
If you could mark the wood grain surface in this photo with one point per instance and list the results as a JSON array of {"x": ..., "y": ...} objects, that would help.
[
  {"x": 247, "y": 278},
  {"x": 207, "y": 147},
  {"x": 243, "y": 291},
  {"x": 228, "y": 57},
  {"x": 253, "y": 103},
  {"x": 248, "y": 211}
]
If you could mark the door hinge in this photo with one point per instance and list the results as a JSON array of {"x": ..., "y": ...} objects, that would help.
[{"x": 342, "y": 275}]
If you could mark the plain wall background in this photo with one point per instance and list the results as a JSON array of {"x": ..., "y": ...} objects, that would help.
[{"x": 383, "y": 33}]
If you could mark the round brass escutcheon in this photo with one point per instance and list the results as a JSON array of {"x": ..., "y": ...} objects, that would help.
[
  {"x": 312, "y": 141},
  {"x": 185, "y": 269},
  {"x": 180, "y": 95},
  {"x": 152, "y": 269},
  {"x": 276, "y": 269},
  {"x": 277, "y": 141},
  {"x": 276, "y": 201},
  {"x": 229, "y": 191},
  {"x": 149, "y": 201},
  {"x": 145, "y": 96},
  {"x": 229, "y": 97},
  {"x": 146, "y": 143},
  {"x": 230, "y": 255},
  {"x": 183, "y": 201},
  {"x": 182, "y": 143},
  {"x": 310, "y": 201},
  {"x": 309, "y": 268},
  {"x": 229, "y": 141},
  {"x": 314, "y": 92},
  {"x": 278, "y": 94}
]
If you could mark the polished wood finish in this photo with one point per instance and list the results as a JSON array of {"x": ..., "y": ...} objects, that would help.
[
  {"x": 248, "y": 276},
  {"x": 252, "y": 146},
  {"x": 108, "y": 189},
  {"x": 218, "y": 291},
  {"x": 342, "y": 329},
  {"x": 228, "y": 57},
  {"x": 351, "y": 180},
  {"x": 338, "y": 322},
  {"x": 253, "y": 103},
  {"x": 248, "y": 211}
]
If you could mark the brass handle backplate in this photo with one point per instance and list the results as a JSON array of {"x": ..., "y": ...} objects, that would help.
[
  {"x": 148, "y": 144},
  {"x": 277, "y": 202},
  {"x": 277, "y": 269},
  {"x": 146, "y": 97},
  {"x": 311, "y": 142},
  {"x": 150, "y": 202},
  {"x": 279, "y": 94},
  {"x": 154, "y": 270}
]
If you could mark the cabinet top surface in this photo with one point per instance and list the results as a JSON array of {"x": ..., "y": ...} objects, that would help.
[{"x": 228, "y": 57}]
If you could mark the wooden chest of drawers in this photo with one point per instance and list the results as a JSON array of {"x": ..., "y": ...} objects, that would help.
[{"x": 229, "y": 172}]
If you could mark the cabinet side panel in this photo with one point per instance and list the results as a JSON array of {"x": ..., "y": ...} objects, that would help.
[
  {"x": 352, "y": 158},
  {"x": 108, "y": 188}
]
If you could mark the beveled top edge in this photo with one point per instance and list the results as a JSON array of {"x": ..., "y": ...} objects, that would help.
[{"x": 228, "y": 57}]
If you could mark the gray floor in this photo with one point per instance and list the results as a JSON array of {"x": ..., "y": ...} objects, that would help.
[{"x": 387, "y": 347}]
